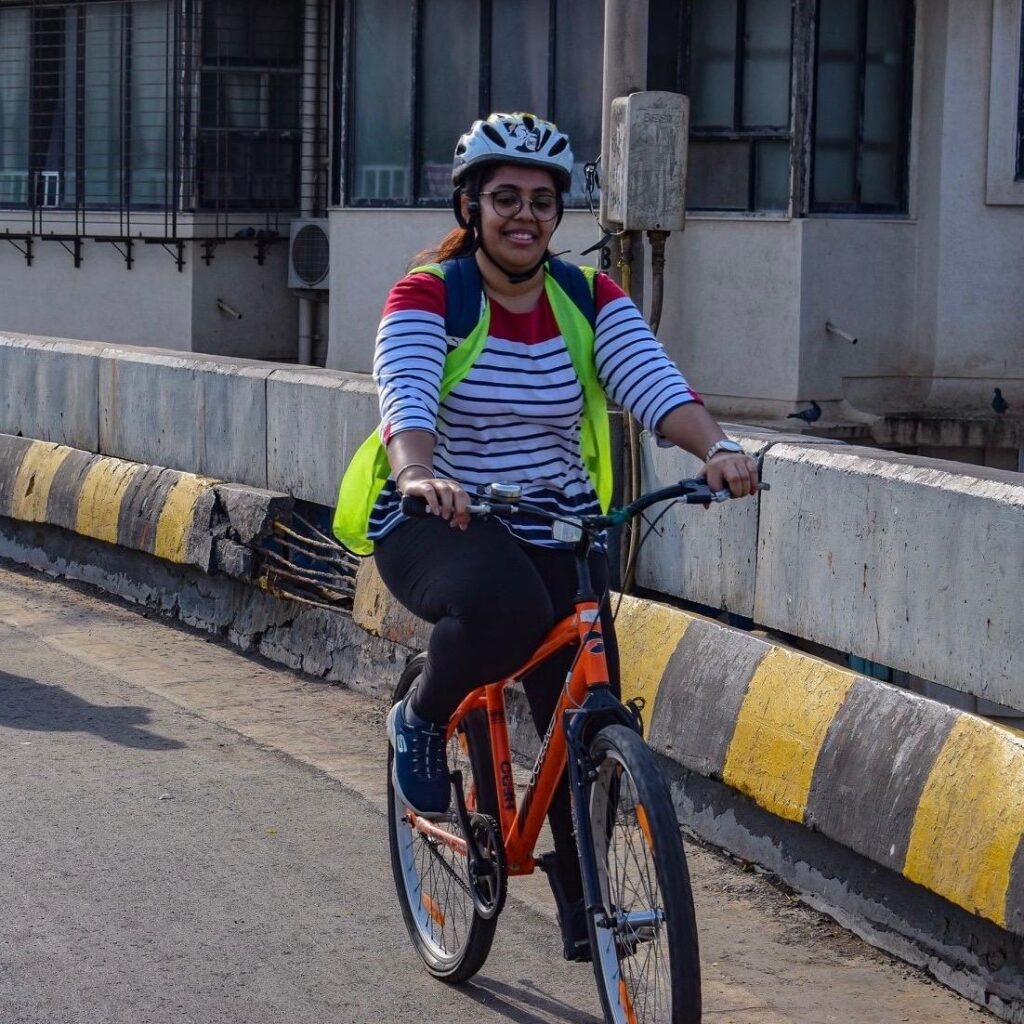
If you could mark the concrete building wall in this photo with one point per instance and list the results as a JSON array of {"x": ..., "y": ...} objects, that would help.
[
  {"x": 980, "y": 302},
  {"x": 731, "y": 318},
  {"x": 102, "y": 300},
  {"x": 858, "y": 275},
  {"x": 965, "y": 287},
  {"x": 268, "y": 328},
  {"x": 153, "y": 304}
]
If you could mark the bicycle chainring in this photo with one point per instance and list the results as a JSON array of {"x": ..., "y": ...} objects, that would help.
[{"x": 489, "y": 879}]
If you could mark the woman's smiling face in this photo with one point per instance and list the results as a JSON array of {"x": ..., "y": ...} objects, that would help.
[{"x": 520, "y": 241}]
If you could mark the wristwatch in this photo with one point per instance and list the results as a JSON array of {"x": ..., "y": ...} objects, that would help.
[{"x": 725, "y": 445}]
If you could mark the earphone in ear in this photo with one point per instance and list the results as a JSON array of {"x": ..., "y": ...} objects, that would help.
[{"x": 473, "y": 207}]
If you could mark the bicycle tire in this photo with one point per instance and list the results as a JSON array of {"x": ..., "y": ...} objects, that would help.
[
  {"x": 449, "y": 934},
  {"x": 644, "y": 945}
]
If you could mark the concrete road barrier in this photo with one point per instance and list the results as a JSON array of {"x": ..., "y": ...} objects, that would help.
[
  {"x": 710, "y": 557},
  {"x": 144, "y": 508},
  {"x": 198, "y": 414},
  {"x": 912, "y": 563},
  {"x": 49, "y": 390},
  {"x": 316, "y": 419}
]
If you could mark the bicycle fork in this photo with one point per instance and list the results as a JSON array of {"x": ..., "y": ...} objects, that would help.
[{"x": 582, "y": 771}]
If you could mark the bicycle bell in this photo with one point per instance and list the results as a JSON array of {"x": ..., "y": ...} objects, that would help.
[{"x": 504, "y": 492}]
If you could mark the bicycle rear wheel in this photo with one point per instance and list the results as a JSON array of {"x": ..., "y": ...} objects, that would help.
[
  {"x": 644, "y": 943},
  {"x": 433, "y": 880}
]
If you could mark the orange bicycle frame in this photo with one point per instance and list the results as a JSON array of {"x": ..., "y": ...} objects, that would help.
[{"x": 521, "y": 823}]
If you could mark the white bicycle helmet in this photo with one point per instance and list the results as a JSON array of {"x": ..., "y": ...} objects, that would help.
[{"x": 514, "y": 139}]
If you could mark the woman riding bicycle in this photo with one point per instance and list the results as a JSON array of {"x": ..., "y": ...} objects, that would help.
[{"x": 516, "y": 402}]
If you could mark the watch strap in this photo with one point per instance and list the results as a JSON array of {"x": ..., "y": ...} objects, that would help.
[{"x": 725, "y": 445}]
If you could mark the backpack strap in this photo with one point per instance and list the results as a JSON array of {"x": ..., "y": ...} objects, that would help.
[{"x": 463, "y": 287}]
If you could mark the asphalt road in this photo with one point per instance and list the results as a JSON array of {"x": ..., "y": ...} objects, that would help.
[{"x": 187, "y": 834}]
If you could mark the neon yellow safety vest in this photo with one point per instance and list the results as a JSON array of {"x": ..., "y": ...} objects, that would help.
[{"x": 369, "y": 469}]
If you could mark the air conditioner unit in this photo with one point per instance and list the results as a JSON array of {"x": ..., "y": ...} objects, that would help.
[{"x": 309, "y": 254}]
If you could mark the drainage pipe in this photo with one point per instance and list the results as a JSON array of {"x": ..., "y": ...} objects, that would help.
[{"x": 311, "y": 50}]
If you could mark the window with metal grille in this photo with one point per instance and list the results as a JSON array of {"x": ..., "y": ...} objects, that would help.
[
  {"x": 249, "y": 104},
  {"x": 198, "y": 107},
  {"x": 863, "y": 68},
  {"x": 450, "y": 62},
  {"x": 84, "y": 105}
]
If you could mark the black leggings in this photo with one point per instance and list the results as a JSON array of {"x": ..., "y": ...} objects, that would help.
[{"x": 492, "y": 599}]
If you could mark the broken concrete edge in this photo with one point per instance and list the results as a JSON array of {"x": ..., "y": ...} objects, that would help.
[
  {"x": 924, "y": 790},
  {"x": 180, "y": 517}
]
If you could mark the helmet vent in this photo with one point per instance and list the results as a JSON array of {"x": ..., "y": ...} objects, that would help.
[{"x": 493, "y": 134}]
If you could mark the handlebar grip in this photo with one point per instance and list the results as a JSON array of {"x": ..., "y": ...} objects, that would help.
[
  {"x": 414, "y": 506},
  {"x": 705, "y": 495}
]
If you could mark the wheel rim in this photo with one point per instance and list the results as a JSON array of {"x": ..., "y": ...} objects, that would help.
[
  {"x": 632, "y": 940},
  {"x": 436, "y": 877}
]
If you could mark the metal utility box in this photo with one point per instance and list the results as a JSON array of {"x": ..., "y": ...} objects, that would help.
[{"x": 646, "y": 176}]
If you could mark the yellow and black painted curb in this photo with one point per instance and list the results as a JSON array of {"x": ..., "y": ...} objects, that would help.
[
  {"x": 924, "y": 789},
  {"x": 928, "y": 791},
  {"x": 164, "y": 512}
]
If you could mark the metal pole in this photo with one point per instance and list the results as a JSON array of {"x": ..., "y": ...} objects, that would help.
[{"x": 625, "y": 71}]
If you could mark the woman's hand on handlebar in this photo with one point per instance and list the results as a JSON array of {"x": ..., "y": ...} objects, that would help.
[
  {"x": 444, "y": 498},
  {"x": 732, "y": 471}
]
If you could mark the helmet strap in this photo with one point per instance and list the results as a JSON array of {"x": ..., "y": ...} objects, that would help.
[{"x": 513, "y": 278}]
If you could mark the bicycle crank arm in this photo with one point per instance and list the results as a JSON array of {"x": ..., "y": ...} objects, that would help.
[{"x": 479, "y": 864}]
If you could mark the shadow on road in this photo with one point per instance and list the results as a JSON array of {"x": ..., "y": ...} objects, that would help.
[
  {"x": 44, "y": 707},
  {"x": 518, "y": 1003}
]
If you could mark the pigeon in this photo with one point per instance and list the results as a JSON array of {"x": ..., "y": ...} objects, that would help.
[
  {"x": 998, "y": 402},
  {"x": 808, "y": 415}
]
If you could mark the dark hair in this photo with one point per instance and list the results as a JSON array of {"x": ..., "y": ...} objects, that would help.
[{"x": 460, "y": 241}]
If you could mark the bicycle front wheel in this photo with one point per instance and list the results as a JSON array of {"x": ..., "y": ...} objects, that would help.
[
  {"x": 431, "y": 876},
  {"x": 644, "y": 939}
]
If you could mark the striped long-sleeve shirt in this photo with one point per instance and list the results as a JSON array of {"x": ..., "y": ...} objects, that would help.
[{"x": 515, "y": 417}]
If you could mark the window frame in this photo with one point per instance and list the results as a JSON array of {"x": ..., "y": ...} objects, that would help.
[
  {"x": 1019, "y": 176},
  {"x": 1004, "y": 185},
  {"x": 74, "y": 115},
  {"x": 177, "y": 217},
  {"x": 346, "y": 169},
  {"x": 857, "y": 208},
  {"x": 788, "y": 133},
  {"x": 202, "y": 131}
]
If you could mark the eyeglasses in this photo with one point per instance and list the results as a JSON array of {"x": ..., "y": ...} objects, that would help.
[{"x": 507, "y": 203}]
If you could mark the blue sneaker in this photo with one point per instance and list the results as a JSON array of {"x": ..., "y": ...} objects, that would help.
[{"x": 420, "y": 766}]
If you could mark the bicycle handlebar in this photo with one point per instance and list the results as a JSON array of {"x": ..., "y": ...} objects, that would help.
[{"x": 691, "y": 492}]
